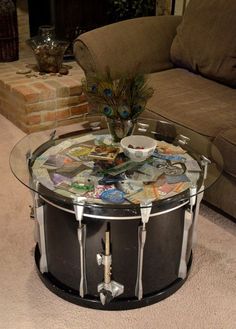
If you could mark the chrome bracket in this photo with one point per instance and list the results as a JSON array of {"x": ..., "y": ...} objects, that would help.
[
  {"x": 205, "y": 162},
  {"x": 184, "y": 140},
  {"x": 192, "y": 197},
  {"x": 145, "y": 209},
  {"x": 39, "y": 230},
  {"x": 53, "y": 135},
  {"x": 81, "y": 233},
  {"x": 188, "y": 217},
  {"x": 143, "y": 127},
  {"x": 95, "y": 125},
  {"x": 188, "y": 220},
  {"x": 28, "y": 156},
  {"x": 196, "y": 213},
  {"x": 110, "y": 290}
]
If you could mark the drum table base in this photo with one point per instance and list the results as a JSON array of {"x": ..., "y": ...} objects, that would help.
[
  {"x": 115, "y": 253},
  {"x": 117, "y": 304}
]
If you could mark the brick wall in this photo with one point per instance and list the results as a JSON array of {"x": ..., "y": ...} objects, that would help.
[{"x": 36, "y": 102}]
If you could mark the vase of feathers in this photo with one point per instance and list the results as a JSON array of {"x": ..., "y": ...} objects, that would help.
[
  {"x": 119, "y": 128},
  {"x": 121, "y": 100}
]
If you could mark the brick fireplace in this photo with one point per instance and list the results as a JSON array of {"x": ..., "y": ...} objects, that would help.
[
  {"x": 32, "y": 101},
  {"x": 36, "y": 102}
]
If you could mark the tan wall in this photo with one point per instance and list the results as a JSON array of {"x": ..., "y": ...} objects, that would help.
[
  {"x": 163, "y": 7},
  {"x": 180, "y": 6},
  {"x": 23, "y": 22}
]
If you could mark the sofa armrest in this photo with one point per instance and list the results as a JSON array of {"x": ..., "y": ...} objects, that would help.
[
  {"x": 137, "y": 45},
  {"x": 226, "y": 143}
]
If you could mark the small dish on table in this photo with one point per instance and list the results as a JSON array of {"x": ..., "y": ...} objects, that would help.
[{"x": 138, "y": 147}]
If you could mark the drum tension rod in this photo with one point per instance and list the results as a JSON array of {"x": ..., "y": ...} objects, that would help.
[
  {"x": 205, "y": 163},
  {"x": 81, "y": 233},
  {"x": 145, "y": 209},
  {"x": 188, "y": 220},
  {"x": 37, "y": 213},
  {"x": 191, "y": 218}
]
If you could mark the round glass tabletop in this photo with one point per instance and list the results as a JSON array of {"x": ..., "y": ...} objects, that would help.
[{"x": 81, "y": 163}]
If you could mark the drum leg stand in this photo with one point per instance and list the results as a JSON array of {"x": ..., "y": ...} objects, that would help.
[{"x": 108, "y": 289}]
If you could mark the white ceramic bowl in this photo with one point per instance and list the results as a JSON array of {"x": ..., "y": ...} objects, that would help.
[{"x": 142, "y": 147}]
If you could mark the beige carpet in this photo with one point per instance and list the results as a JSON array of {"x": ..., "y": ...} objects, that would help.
[{"x": 207, "y": 300}]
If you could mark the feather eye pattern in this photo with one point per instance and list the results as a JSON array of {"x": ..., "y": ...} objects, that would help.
[
  {"x": 108, "y": 111},
  {"x": 124, "y": 98},
  {"x": 108, "y": 92},
  {"x": 124, "y": 111}
]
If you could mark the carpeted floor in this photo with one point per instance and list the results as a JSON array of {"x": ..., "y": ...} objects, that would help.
[{"x": 206, "y": 301}]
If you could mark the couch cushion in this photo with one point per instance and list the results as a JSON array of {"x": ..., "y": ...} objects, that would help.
[
  {"x": 206, "y": 40},
  {"x": 226, "y": 143},
  {"x": 200, "y": 104}
]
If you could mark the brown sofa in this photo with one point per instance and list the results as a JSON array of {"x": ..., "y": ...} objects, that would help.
[{"x": 191, "y": 63}]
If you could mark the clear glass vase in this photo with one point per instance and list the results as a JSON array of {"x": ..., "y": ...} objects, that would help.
[
  {"x": 48, "y": 50},
  {"x": 120, "y": 128}
]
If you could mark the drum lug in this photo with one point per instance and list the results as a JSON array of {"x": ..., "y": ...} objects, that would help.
[
  {"x": 188, "y": 221},
  {"x": 184, "y": 140},
  {"x": 38, "y": 213},
  {"x": 28, "y": 157},
  {"x": 52, "y": 135},
  {"x": 188, "y": 218},
  {"x": 145, "y": 209},
  {"x": 81, "y": 233},
  {"x": 196, "y": 213},
  {"x": 199, "y": 196},
  {"x": 205, "y": 162},
  {"x": 32, "y": 214}
]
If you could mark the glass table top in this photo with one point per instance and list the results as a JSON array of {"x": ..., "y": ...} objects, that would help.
[{"x": 79, "y": 161}]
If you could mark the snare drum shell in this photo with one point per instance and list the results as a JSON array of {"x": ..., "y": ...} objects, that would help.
[{"x": 162, "y": 250}]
